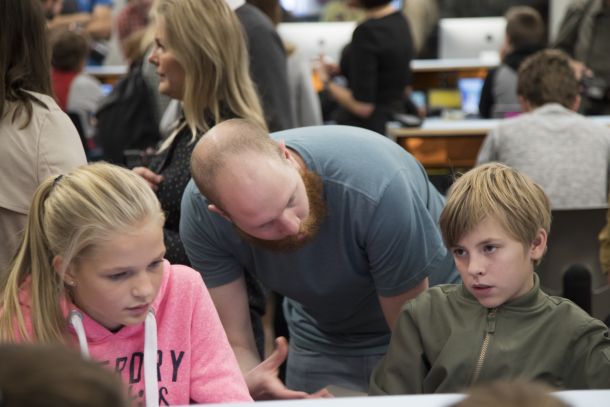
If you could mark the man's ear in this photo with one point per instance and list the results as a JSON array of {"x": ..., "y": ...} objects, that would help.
[
  {"x": 284, "y": 149},
  {"x": 538, "y": 246},
  {"x": 288, "y": 156},
  {"x": 218, "y": 211}
]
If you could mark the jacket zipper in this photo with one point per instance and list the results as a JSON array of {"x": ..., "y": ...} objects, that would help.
[{"x": 491, "y": 328}]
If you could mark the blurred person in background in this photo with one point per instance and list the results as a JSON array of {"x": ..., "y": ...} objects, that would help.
[
  {"x": 376, "y": 65},
  {"x": 525, "y": 35},
  {"x": 37, "y": 138},
  {"x": 584, "y": 34},
  {"x": 76, "y": 92}
]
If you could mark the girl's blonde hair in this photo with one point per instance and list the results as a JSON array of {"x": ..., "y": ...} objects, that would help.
[
  {"x": 497, "y": 191},
  {"x": 208, "y": 41},
  {"x": 69, "y": 215}
]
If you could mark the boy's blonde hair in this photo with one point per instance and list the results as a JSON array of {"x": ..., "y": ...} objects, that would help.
[
  {"x": 69, "y": 216},
  {"x": 497, "y": 191}
]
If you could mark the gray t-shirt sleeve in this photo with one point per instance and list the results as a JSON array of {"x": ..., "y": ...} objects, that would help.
[
  {"x": 201, "y": 233},
  {"x": 403, "y": 241}
]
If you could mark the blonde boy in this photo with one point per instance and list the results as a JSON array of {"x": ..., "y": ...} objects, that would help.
[{"x": 498, "y": 324}]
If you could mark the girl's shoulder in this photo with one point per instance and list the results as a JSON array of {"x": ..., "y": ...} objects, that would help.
[
  {"x": 182, "y": 289},
  {"x": 180, "y": 274},
  {"x": 181, "y": 281}
]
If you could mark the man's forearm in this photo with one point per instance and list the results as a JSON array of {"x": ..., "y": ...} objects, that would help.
[{"x": 247, "y": 357}]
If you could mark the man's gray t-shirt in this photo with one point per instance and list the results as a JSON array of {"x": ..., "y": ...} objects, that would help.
[{"x": 380, "y": 237}]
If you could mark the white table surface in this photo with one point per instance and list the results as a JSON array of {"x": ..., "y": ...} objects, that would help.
[{"x": 576, "y": 398}]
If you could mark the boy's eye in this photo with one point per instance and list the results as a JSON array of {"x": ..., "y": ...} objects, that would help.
[
  {"x": 459, "y": 252},
  {"x": 489, "y": 248}
]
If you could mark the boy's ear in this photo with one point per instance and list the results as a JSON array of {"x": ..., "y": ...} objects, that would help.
[{"x": 538, "y": 247}]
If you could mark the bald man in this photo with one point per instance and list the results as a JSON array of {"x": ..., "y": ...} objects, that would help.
[{"x": 339, "y": 220}]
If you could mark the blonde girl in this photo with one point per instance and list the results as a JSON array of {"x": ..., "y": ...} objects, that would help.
[{"x": 90, "y": 272}]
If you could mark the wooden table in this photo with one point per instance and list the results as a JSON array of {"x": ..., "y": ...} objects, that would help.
[
  {"x": 444, "y": 144},
  {"x": 444, "y": 73},
  {"x": 451, "y": 144},
  {"x": 427, "y": 73}
]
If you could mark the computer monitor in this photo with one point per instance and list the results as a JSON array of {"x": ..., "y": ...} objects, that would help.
[
  {"x": 106, "y": 88},
  {"x": 311, "y": 39},
  {"x": 476, "y": 37},
  {"x": 418, "y": 97},
  {"x": 310, "y": 10},
  {"x": 470, "y": 94},
  {"x": 442, "y": 100}
]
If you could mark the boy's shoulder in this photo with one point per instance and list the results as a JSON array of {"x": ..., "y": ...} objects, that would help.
[
  {"x": 564, "y": 306},
  {"x": 437, "y": 296}
]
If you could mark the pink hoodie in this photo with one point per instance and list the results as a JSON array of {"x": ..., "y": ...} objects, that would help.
[{"x": 195, "y": 362}]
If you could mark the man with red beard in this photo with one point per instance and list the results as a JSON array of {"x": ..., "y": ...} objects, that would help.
[{"x": 339, "y": 220}]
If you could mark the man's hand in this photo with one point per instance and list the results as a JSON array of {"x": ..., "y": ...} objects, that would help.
[
  {"x": 151, "y": 177},
  {"x": 264, "y": 383}
]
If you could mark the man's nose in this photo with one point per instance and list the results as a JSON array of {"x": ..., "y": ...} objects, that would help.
[{"x": 291, "y": 224}]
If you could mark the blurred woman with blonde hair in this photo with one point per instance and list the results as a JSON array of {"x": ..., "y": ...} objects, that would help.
[{"x": 201, "y": 58}]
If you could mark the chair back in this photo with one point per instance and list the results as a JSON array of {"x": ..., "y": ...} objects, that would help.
[{"x": 574, "y": 241}]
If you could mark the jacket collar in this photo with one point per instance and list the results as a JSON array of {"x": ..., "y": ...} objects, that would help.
[{"x": 526, "y": 301}]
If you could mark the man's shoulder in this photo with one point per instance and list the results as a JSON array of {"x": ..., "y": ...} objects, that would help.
[
  {"x": 193, "y": 203},
  {"x": 344, "y": 144}
]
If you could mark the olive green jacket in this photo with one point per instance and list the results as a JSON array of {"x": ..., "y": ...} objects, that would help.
[{"x": 445, "y": 341}]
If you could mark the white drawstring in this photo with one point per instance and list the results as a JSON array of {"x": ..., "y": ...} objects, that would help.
[
  {"x": 150, "y": 360},
  {"x": 151, "y": 383},
  {"x": 76, "y": 319}
]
